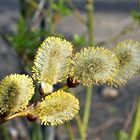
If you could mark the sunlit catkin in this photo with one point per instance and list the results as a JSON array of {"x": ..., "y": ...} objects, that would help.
[
  {"x": 93, "y": 66},
  {"x": 128, "y": 54},
  {"x": 51, "y": 59},
  {"x": 15, "y": 92},
  {"x": 56, "y": 108}
]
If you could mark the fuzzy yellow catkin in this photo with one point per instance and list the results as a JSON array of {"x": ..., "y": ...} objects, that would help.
[
  {"x": 15, "y": 92},
  {"x": 93, "y": 66},
  {"x": 51, "y": 59},
  {"x": 56, "y": 108},
  {"x": 128, "y": 54}
]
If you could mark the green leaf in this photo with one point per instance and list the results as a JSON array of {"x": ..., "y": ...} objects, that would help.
[
  {"x": 62, "y": 8},
  {"x": 122, "y": 135},
  {"x": 79, "y": 40},
  {"x": 136, "y": 15}
]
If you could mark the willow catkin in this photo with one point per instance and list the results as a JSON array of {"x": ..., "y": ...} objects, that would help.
[
  {"x": 56, "y": 108},
  {"x": 128, "y": 54},
  {"x": 93, "y": 66},
  {"x": 15, "y": 93},
  {"x": 51, "y": 59}
]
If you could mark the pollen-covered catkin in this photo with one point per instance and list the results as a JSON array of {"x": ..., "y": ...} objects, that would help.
[
  {"x": 15, "y": 92},
  {"x": 93, "y": 66},
  {"x": 128, "y": 54},
  {"x": 51, "y": 59},
  {"x": 56, "y": 108}
]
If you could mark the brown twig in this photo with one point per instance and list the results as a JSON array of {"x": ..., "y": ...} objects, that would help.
[
  {"x": 130, "y": 117},
  {"x": 23, "y": 113},
  {"x": 128, "y": 29},
  {"x": 107, "y": 125}
]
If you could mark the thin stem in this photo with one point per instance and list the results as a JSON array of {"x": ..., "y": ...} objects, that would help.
[
  {"x": 90, "y": 25},
  {"x": 87, "y": 108},
  {"x": 19, "y": 114},
  {"x": 35, "y": 5},
  {"x": 80, "y": 127},
  {"x": 45, "y": 132},
  {"x": 70, "y": 131},
  {"x": 36, "y": 133},
  {"x": 136, "y": 126},
  {"x": 90, "y": 21}
]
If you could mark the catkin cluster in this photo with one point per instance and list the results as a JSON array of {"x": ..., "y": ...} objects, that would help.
[{"x": 55, "y": 62}]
